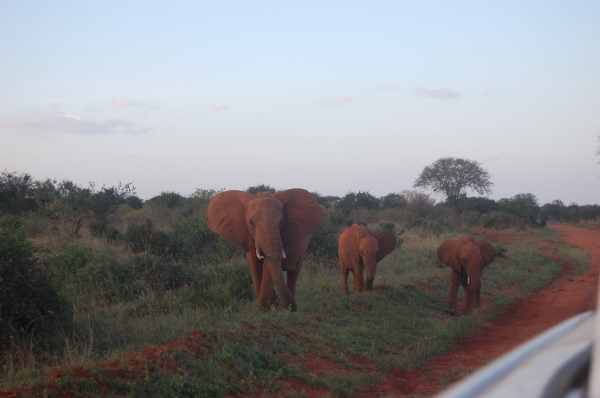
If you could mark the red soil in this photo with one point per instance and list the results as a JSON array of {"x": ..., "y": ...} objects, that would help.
[{"x": 551, "y": 305}]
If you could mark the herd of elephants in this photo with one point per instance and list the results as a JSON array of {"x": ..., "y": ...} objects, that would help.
[{"x": 274, "y": 229}]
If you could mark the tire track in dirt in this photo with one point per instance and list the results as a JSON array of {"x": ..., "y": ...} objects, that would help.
[{"x": 551, "y": 305}]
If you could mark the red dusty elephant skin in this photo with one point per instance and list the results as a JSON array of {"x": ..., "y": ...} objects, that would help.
[
  {"x": 274, "y": 229},
  {"x": 467, "y": 257},
  {"x": 359, "y": 248}
]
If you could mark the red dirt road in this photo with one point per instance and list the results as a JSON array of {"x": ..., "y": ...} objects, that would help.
[{"x": 555, "y": 303}]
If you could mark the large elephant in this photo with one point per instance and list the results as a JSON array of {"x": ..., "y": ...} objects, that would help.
[
  {"x": 467, "y": 257},
  {"x": 359, "y": 248},
  {"x": 274, "y": 229}
]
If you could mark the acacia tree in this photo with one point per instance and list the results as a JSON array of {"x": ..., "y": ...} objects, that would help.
[{"x": 452, "y": 177}]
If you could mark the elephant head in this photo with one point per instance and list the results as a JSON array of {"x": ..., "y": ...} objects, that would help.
[
  {"x": 358, "y": 249},
  {"x": 266, "y": 225},
  {"x": 467, "y": 257}
]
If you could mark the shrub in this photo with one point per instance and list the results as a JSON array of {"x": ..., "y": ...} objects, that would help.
[
  {"x": 161, "y": 274},
  {"x": 220, "y": 286},
  {"x": 144, "y": 237},
  {"x": 394, "y": 200},
  {"x": 134, "y": 202},
  {"x": 29, "y": 302},
  {"x": 497, "y": 220},
  {"x": 17, "y": 193},
  {"x": 199, "y": 242},
  {"x": 167, "y": 199},
  {"x": 260, "y": 188}
]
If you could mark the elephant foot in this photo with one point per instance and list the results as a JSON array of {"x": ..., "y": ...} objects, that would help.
[{"x": 451, "y": 311}]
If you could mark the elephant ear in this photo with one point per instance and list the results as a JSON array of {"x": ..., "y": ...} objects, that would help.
[
  {"x": 448, "y": 254},
  {"x": 488, "y": 253},
  {"x": 302, "y": 214},
  {"x": 226, "y": 216},
  {"x": 387, "y": 244}
]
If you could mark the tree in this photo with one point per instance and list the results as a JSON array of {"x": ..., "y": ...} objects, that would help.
[
  {"x": 260, "y": 188},
  {"x": 17, "y": 193},
  {"x": 452, "y": 177}
]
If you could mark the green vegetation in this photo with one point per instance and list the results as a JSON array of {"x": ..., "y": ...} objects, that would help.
[{"x": 91, "y": 276}]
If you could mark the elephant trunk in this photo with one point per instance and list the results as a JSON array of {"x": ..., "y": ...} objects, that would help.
[
  {"x": 273, "y": 252},
  {"x": 371, "y": 266}
]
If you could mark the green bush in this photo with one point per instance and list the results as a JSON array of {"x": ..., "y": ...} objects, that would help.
[
  {"x": 497, "y": 220},
  {"x": 220, "y": 286},
  {"x": 17, "y": 193},
  {"x": 260, "y": 188},
  {"x": 199, "y": 242},
  {"x": 30, "y": 305},
  {"x": 145, "y": 238},
  {"x": 161, "y": 274}
]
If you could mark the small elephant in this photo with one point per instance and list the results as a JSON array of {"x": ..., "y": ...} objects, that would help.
[
  {"x": 274, "y": 229},
  {"x": 467, "y": 257},
  {"x": 543, "y": 223},
  {"x": 359, "y": 248}
]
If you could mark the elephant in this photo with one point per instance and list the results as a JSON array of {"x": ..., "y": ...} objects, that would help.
[
  {"x": 543, "y": 223},
  {"x": 274, "y": 229},
  {"x": 467, "y": 257},
  {"x": 359, "y": 248}
]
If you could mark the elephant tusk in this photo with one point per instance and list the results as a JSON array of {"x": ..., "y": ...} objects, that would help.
[
  {"x": 282, "y": 253},
  {"x": 258, "y": 254},
  {"x": 468, "y": 280}
]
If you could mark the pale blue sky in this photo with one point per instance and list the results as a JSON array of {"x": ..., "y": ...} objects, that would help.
[{"x": 331, "y": 96}]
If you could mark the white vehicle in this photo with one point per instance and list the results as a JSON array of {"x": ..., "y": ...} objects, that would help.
[{"x": 561, "y": 362}]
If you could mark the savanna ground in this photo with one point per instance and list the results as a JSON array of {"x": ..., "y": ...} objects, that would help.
[{"x": 383, "y": 343}]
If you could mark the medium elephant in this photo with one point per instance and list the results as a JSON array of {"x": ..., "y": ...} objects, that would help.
[
  {"x": 274, "y": 229},
  {"x": 359, "y": 248},
  {"x": 467, "y": 257},
  {"x": 543, "y": 223}
]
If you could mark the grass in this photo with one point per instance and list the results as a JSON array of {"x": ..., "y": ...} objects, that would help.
[{"x": 399, "y": 326}]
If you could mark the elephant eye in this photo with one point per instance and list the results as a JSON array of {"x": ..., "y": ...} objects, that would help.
[{"x": 252, "y": 222}]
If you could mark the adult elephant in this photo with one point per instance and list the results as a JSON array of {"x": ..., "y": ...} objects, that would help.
[
  {"x": 359, "y": 248},
  {"x": 467, "y": 257},
  {"x": 274, "y": 229}
]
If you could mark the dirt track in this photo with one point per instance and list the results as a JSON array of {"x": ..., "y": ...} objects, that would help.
[
  {"x": 553, "y": 304},
  {"x": 541, "y": 310}
]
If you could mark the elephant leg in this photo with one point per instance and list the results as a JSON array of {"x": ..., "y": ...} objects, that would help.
[
  {"x": 453, "y": 290},
  {"x": 368, "y": 284},
  {"x": 359, "y": 284},
  {"x": 266, "y": 289},
  {"x": 345, "y": 271},
  {"x": 256, "y": 269},
  {"x": 292, "y": 278}
]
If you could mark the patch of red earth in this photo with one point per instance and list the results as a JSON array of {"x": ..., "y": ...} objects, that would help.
[{"x": 553, "y": 304}]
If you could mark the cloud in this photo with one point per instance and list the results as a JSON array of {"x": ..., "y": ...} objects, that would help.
[
  {"x": 386, "y": 86},
  {"x": 52, "y": 122},
  {"x": 442, "y": 94},
  {"x": 219, "y": 106},
  {"x": 340, "y": 100},
  {"x": 122, "y": 102}
]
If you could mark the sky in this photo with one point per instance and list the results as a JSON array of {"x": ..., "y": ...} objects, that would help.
[{"x": 330, "y": 96}]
